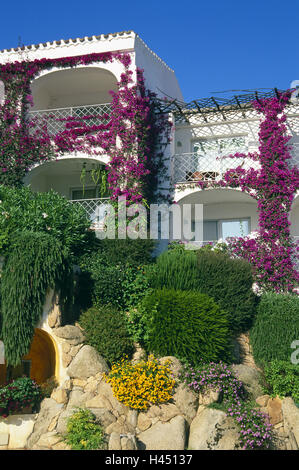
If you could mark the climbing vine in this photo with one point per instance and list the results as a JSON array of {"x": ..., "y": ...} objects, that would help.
[
  {"x": 272, "y": 252},
  {"x": 133, "y": 135}
]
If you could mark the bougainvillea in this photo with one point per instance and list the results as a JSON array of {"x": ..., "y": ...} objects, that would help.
[
  {"x": 131, "y": 134},
  {"x": 272, "y": 252}
]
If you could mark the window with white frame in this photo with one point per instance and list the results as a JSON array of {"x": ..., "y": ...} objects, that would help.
[{"x": 214, "y": 230}]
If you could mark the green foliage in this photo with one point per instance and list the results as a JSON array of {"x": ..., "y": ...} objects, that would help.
[
  {"x": 125, "y": 251},
  {"x": 185, "y": 324},
  {"x": 19, "y": 394},
  {"x": 36, "y": 263},
  {"x": 25, "y": 210},
  {"x": 175, "y": 269},
  {"x": 282, "y": 378},
  {"x": 82, "y": 431},
  {"x": 275, "y": 327},
  {"x": 228, "y": 281},
  {"x": 106, "y": 330},
  {"x": 106, "y": 281}
]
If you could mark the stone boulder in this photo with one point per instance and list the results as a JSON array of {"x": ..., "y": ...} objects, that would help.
[
  {"x": 211, "y": 429},
  {"x": 186, "y": 401},
  {"x": 290, "y": 414},
  {"x": 165, "y": 436},
  {"x": 48, "y": 411},
  {"x": 250, "y": 378},
  {"x": 71, "y": 333},
  {"x": 87, "y": 363}
]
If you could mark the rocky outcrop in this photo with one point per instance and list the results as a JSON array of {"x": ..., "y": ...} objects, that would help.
[
  {"x": 250, "y": 377},
  {"x": 191, "y": 420},
  {"x": 87, "y": 363},
  {"x": 212, "y": 430}
]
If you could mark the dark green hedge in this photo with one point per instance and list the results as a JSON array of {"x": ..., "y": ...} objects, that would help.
[
  {"x": 185, "y": 324},
  {"x": 106, "y": 330},
  {"x": 275, "y": 328},
  {"x": 229, "y": 281}
]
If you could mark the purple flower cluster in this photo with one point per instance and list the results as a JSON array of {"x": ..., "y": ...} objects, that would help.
[
  {"x": 272, "y": 253},
  {"x": 255, "y": 429},
  {"x": 136, "y": 158}
]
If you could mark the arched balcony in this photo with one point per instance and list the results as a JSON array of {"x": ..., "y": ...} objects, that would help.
[
  {"x": 226, "y": 213},
  {"x": 72, "y": 93}
]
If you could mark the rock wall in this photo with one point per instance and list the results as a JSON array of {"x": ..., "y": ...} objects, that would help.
[{"x": 186, "y": 423}]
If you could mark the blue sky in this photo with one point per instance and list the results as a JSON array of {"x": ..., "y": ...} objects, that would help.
[{"x": 213, "y": 46}]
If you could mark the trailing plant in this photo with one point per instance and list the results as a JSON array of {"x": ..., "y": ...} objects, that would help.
[
  {"x": 275, "y": 327},
  {"x": 185, "y": 324},
  {"x": 36, "y": 263},
  {"x": 106, "y": 330},
  {"x": 19, "y": 394},
  {"x": 82, "y": 431},
  {"x": 143, "y": 384},
  {"x": 255, "y": 431}
]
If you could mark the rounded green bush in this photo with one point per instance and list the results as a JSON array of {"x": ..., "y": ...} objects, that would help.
[
  {"x": 185, "y": 324},
  {"x": 228, "y": 281},
  {"x": 275, "y": 327},
  {"x": 106, "y": 330}
]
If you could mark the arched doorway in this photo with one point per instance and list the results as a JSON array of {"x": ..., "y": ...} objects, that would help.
[{"x": 39, "y": 363}]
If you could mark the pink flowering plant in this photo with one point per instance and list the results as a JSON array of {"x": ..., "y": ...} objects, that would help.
[
  {"x": 272, "y": 253},
  {"x": 255, "y": 431},
  {"x": 136, "y": 162}
]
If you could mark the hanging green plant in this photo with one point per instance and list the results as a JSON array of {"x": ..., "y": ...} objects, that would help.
[{"x": 36, "y": 263}]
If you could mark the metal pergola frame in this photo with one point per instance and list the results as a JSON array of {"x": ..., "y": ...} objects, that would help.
[{"x": 205, "y": 106}]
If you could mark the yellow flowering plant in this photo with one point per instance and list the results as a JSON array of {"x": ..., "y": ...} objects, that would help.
[{"x": 142, "y": 384}]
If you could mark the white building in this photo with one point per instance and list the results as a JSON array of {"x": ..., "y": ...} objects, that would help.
[{"x": 205, "y": 130}]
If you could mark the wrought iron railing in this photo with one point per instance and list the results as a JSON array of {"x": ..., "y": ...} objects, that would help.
[
  {"x": 192, "y": 167},
  {"x": 96, "y": 209},
  {"x": 55, "y": 119}
]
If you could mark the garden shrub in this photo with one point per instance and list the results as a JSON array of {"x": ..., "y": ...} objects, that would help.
[
  {"x": 19, "y": 394},
  {"x": 143, "y": 384},
  {"x": 25, "y": 210},
  {"x": 282, "y": 378},
  {"x": 275, "y": 327},
  {"x": 82, "y": 431},
  {"x": 120, "y": 284},
  {"x": 175, "y": 269},
  {"x": 229, "y": 281},
  {"x": 185, "y": 324},
  {"x": 106, "y": 330},
  {"x": 125, "y": 251}
]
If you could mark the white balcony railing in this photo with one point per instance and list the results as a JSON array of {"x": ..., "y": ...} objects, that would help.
[
  {"x": 55, "y": 119},
  {"x": 96, "y": 209},
  {"x": 192, "y": 167}
]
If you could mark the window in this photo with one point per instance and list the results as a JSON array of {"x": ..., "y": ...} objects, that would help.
[{"x": 213, "y": 230}]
